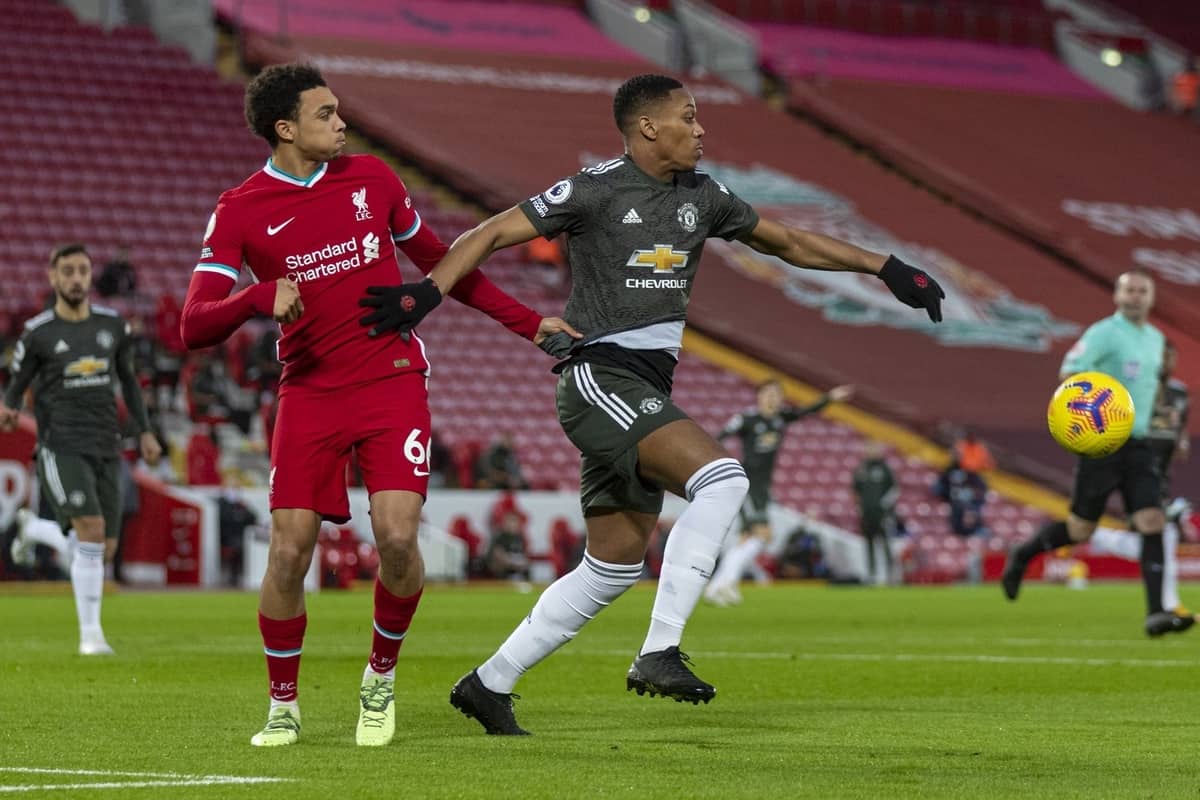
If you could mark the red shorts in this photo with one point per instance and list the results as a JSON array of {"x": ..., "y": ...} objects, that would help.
[{"x": 385, "y": 422}]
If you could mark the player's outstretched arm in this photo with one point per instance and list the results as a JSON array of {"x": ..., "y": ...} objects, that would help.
[
  {"x": 477, "y": 291},
  {"x": 400, "y": 308},
  {"x": 911, "y": 286},
  {"x": 210, "y": 314}
]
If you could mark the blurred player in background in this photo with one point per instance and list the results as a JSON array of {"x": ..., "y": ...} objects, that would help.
[
  {"x": 761, "y": 430},
  {"x": 73, "y": 354},
  {"x": 315, "y": 231},
  {"x": 637, "y": 226},
  {"x": 1126, "y": 346}
]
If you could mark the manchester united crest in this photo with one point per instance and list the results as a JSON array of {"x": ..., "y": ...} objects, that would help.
[{"x": 688, "y": 216}]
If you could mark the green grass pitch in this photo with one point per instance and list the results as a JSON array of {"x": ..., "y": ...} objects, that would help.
[{"x": 822, "y": 692}]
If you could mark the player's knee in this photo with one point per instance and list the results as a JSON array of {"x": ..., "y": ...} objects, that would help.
[
  {"x": 1080, "y": 530},
  {"x": 1149, "y": 521},
  {"x": 89, "y": 529},
  {"x": 289, "y": 561},
  {"x": 724, "y": 480},
  {"x": 397, "y": 542}
]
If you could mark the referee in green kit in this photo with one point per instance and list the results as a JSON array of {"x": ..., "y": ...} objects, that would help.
[{"x": 1130, "y": 349}]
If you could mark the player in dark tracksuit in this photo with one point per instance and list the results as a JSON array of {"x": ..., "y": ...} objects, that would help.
[
  {"x": 761, "y": 432},
  {"x": 72, "y": 355}
]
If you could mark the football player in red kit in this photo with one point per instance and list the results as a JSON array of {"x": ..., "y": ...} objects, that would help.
[{"x": 316, "y": 229}]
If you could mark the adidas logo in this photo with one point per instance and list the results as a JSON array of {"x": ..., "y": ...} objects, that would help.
[
  {"x": 632, "y": 218},
  {"x": 61, "y": 347}
]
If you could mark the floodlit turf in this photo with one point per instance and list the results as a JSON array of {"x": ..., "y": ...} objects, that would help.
[{"x": 822, "y": 692}]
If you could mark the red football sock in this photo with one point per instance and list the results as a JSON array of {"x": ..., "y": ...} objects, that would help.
[
  {"x": 392, "y": 617},
  {"x": 282, "y": 640}
]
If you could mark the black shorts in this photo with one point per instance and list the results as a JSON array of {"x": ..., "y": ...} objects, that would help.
[
  {"x": 756, "y": 504},
  {"x": 78, "y": 485},
  {"x": 1132, "y": 470}
]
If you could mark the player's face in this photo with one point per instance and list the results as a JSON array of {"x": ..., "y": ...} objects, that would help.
[
  {"x": 1134, "y": 296},
  {"x": 71, "y": 277},
  {"x": 320, "y": 134},
  {"x": 770, "y": 399},
  {"x": 679, "y": 134}
]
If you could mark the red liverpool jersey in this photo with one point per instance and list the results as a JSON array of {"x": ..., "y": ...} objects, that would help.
[{"x": 333, "y": 234}]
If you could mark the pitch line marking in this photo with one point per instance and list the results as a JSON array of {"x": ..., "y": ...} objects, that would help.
[
  {"x": 159, "y": 779},
  {"x": 980, "y": 658}
]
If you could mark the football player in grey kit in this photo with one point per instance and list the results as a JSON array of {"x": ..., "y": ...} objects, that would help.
[{"x": 637, "y": 226}]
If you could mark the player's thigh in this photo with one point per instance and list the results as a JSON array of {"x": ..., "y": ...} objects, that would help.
[
  {"x": 671, "y": 455},
  {"x": 1095, "y": 480},
  {"x": 1141, "y": 486},
  {"x": 619, "y": 536},
  {"x": 69, "y": 483},
  {"x": 395, "y": 517},
  {"x": 609, "y": 485},
  {"x": 392, "y": 436},
  {"x": 309, "y": 454}
]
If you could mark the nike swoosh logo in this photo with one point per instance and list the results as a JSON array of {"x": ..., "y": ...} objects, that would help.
[{"x": 274, "y": 229}]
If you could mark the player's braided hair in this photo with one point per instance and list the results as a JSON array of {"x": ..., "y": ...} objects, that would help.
[
  {"x": 274, "y": 94},
  {"x": 635, "y": 94}
]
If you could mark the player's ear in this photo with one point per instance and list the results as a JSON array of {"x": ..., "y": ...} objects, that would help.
[
  {"x": 285, "y": 130},
  {"x": 647, "y": 128}
]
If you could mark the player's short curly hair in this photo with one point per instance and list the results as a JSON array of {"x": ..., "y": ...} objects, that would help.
[
  {"x": 274, "y": 94},
  {"x": 638, "y": 92},
  {"x": 64, "y": 250}
]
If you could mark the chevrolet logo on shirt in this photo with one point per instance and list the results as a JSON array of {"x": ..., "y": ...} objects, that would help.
[
  {"x": 664, "y": 258},
  {"x": 88, "y": 365}
]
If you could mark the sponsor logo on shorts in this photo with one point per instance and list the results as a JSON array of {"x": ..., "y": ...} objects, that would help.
[{"x": 77, "y": 498}]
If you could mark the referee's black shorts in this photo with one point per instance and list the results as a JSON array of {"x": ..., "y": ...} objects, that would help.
[{"x": 1133, "y": 470}]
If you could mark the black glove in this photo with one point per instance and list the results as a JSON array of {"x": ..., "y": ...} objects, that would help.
[
  {"x": 558, "y": 344},
  {"x": 913, "y": 287},
  {"x": 399, "y": 308}
]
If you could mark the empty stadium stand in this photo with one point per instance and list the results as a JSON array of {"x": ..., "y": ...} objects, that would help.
[
  {"x": 125, "y": 142},
  {"x": 120, "y": 141}
]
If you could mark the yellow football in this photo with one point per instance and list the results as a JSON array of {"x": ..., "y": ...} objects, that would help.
[{"x": 1091, "y": 414}]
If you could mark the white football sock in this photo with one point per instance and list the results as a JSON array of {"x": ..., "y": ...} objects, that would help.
[
  {"x": 562, "y": 610},
  {"x": 716, "y": 492},
  {"x": 87, "y": 580},
  {"x": 1122, "y": 544},
  {"x": 1170, "y": 586}
]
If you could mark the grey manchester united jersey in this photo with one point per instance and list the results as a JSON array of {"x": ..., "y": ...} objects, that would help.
[
  {"x": 634, "y": 244},
  {"x": 72, "y": 366}
]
